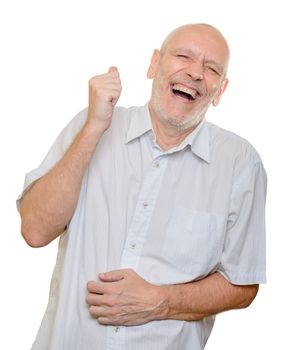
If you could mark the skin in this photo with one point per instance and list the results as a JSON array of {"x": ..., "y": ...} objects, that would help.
[
  {"x": 44, "y": 213},
  {"x": 195, "y": 56},
  {"x": 122, "y": 297}
]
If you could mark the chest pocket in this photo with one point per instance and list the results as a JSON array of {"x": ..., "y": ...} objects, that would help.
[{"x": 193, "y": 241}]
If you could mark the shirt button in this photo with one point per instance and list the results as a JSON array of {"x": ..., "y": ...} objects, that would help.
[
  {"x": 145, "y": 205},
  {"x": 157, "y": 165},
  {"x": 132, "y": 245},
  {"x": 117, "y": 329}
]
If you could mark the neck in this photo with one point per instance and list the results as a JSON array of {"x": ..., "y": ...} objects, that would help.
[{"x": 167, "y": 137}]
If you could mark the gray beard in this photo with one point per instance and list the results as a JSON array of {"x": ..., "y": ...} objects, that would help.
[
  {"x": 180, "y": 125},
  {"x": 189, "y": 121}
]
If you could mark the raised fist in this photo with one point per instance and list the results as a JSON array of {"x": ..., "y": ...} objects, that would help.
[{"x": 104, "y": 92}]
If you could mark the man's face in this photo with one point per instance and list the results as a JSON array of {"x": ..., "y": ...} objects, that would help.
[{"x": 189, "y": 74}]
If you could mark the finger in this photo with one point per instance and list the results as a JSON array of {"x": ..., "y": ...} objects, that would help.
[
  {"x": 113, "y": 73},
  {"x": 104, "y": 316},
  {"x": 113, "y": 69},
  {"x": 95, "y": 287},
  {"x": 97, "y": 311},
  {"x": 106, "y": 81},
  {"x": 101, "y": 288},
  {"x": 105, "y": 321},
  {"x": 100, "y": 300},
  {"x": 114, "y": 276},
  {"x": 94, "y": 299},
  {"x": 110, "y": 95},
  {"x": 110, "y": 82},
  {"x": 114, "y": 96}
]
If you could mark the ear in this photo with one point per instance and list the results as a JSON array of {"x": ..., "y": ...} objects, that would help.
[
  {"x": 219, "y": 92},
  {"x": 153, "y": 64}
]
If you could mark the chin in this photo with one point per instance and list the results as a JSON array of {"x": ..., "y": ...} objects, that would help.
[
  {"x": 177, "y": 117},
  {"x": 181, "y": 123}
]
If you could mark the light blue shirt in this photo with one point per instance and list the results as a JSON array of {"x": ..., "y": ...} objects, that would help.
[{"x": 173, "y": 216}]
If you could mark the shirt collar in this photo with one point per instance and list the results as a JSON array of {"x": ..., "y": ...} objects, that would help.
[
  {"x": 140, "y": 123},
  {"x": 201, "y": 142},
  {"x": 198, "y": 140}
]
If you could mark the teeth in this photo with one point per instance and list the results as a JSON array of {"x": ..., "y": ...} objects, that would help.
[{"x": 183, "y": 88}]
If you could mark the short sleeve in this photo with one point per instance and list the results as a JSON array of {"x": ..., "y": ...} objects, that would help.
[
  {"x": 243, "y": 259},
  {"x": 55, "y": 153}
]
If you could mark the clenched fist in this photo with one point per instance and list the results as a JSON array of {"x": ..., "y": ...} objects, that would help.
[{"x": 104, "y": 92}]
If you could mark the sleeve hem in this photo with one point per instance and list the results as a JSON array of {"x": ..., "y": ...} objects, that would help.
[
  {"x": 29, "y": 181},
  {"x": 244, "y": 278}
]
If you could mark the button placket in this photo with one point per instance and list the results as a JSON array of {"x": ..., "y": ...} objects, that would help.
[
  {"x": 145, "y": 205},
  {"x": 116, "y": 337},
  {"x": 132, "y": 245},
  {"x": 143, "y": 213}
]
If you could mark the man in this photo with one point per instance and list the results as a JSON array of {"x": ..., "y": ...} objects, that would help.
[{"x": 162, "y": 212}]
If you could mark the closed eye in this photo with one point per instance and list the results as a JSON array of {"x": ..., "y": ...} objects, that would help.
[
  {"x": 213, "y": 70},
  {"x": 182, "y": 56}
]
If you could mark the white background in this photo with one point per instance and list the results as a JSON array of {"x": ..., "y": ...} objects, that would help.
[{"x": 49, "y": 50}]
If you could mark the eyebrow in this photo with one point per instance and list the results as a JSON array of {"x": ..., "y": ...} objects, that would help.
[
  {"x": 218, "y": 66},
  {"x": 191, "y": 53},
  {"x": 183, "y": 50}
]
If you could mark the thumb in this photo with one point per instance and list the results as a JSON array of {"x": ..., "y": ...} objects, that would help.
[
  {"x": 113, "y": 276},
  {"x": 112, "y": 69}
]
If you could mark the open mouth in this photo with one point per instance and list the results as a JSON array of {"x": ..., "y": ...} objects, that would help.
[{"x": 184, "y": 92}]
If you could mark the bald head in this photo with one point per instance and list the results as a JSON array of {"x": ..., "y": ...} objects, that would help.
[
  {"x": 189, "y": 74},
  {"x": 204, "y": 34}
]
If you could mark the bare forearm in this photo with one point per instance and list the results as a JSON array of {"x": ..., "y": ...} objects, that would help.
[
  {"x": 209, "y": 296},
  {"x": 122, "y": 297},
  {"x": 48, "y": 206}
]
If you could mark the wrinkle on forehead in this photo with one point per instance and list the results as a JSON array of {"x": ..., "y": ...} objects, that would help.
[
  {"x": 191, "y": 53},
  {"x": 202, "y": 29}
]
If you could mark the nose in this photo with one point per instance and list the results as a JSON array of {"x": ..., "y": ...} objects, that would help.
[{"x": 195, "y": 71}]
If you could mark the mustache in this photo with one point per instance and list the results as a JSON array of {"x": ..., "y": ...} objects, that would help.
[{"x": 193, "y": 84}]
